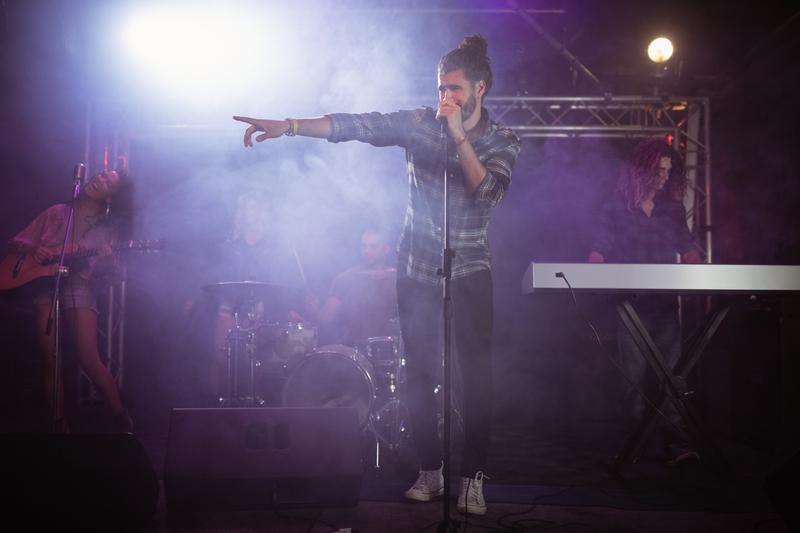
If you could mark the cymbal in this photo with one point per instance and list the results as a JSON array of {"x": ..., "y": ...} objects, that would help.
[{"x": 251, "y": 290}]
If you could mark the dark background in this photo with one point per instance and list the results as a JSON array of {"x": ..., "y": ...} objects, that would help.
[{"x": 58, "y": 74}]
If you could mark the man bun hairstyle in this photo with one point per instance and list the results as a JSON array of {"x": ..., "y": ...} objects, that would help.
[{"x": 472, "y": 57}]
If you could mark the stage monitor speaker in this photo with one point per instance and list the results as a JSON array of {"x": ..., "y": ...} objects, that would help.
[
  {"x": 250, "y": 458},
  {"x": 87, "y": 481}
]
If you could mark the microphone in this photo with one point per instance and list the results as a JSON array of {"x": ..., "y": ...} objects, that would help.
[
  {"x": 77, "y": 180},
  {"x": 443, "y": 124},
  {"x": 79, "y": 174}
]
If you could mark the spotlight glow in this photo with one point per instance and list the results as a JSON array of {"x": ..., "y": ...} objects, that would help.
[
  {"x": 194, "y": 51},
  {"x": 660, "y": 50}
]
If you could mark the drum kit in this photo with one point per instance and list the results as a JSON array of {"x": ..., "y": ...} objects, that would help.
[{"x": 368, "y": 377}]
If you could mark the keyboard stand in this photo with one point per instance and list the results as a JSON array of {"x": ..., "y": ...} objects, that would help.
[{"x": 674, "y": 389}]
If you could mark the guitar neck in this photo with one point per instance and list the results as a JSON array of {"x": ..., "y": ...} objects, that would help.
[{"x": 90, "y": 252}]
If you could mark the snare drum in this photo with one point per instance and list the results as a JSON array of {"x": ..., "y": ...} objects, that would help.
[
  {"x": 283, "y": 342},
  {"x": 331, "y": 376}
]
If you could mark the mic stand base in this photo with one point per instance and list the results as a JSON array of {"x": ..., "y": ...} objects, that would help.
[{"x": 446, "y": 526}]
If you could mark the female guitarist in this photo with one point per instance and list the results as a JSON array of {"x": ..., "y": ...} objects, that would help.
[{"x": 96, "y": 226}]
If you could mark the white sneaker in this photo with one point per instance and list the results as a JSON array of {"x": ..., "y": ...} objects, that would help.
[
  {"x": 470, "y": 499},
  {"x": 429, "y": 485}
]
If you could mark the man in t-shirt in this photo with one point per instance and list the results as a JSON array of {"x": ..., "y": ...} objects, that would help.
[{"x": 362, "y": 302}]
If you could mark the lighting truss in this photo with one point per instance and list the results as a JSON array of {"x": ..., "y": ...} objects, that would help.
[{"x": 686, "y": 119}]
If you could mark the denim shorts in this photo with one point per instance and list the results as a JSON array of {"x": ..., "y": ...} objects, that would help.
[{"x": 74, "y": 295}]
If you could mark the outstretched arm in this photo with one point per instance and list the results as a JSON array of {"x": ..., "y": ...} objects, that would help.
[{"x": 307, "y": 127}]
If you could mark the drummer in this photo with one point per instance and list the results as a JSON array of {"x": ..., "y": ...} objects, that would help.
[
  {"x": 362, "y": 302},
  {"x": 253, "y": 252}
]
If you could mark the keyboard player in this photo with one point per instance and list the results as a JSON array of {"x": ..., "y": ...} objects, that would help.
[{"x": 644, "y": 221}]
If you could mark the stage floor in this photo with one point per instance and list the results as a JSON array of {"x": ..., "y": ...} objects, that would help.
[{"x": 544, "y": 476}]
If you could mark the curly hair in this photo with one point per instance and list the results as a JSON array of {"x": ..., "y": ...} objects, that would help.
[
  {"x": 640, "y": 172},
  {"x": 472, "y": 57}
]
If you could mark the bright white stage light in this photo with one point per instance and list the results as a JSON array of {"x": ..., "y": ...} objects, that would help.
[
  {"x": 660, "y": 50},
  {"x": 196, "y": 51}
]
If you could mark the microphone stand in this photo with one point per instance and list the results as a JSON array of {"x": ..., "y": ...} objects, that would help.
[
  {"x": 446, "y": 273},
  {"x": 53, "y": 323}
]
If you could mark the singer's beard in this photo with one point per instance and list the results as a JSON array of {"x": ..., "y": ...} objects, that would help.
[{"x": 468, "y": 108}]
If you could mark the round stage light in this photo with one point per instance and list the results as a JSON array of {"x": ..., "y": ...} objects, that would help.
[{"x": 660, "y": 50}]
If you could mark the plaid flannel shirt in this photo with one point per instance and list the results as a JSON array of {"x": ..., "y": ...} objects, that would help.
[{"x": 419, "y": 133}]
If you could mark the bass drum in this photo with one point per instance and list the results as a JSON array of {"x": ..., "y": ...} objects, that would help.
[{"x": 331, "y": 376}]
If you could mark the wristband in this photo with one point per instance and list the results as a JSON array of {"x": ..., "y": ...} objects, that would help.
[{"x": 291, "y": 131}]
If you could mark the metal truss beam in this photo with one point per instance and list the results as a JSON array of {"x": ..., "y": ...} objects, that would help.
[{"x": 114, "y": 334}]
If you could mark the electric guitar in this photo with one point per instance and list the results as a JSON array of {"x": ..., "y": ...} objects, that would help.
[{"x": 19, "y": 268}]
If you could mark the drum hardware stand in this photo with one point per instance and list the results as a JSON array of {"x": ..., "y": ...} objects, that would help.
[
  {"x": 392, "y": 408},
  {"x": 391, "y": 434},
  {"x": 238, "y": 336},
  {"x": 53, "y": 322}
]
